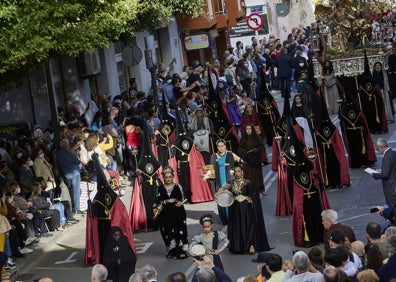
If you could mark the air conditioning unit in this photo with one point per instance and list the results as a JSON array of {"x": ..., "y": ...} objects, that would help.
[{"x": 89, "y": 63}]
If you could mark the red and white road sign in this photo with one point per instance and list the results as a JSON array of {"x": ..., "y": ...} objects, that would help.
[{"x": 254, "y": 21}]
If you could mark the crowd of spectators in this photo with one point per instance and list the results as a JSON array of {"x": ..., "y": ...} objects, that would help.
[{"x": 40, "y": 184}]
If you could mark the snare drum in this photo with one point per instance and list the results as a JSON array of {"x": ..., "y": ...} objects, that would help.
[
  {"x": 198, "y": 250},
  {"x": 224, "y": 199}
]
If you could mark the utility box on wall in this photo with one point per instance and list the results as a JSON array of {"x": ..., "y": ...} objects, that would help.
[{"x": 89, "y": 63}]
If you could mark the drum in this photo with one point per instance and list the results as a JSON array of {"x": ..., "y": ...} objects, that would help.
[
  {"x": 224, "y": 199},
  {"x": 201, "y": 140},
  {"x": 198, "y": 250}
]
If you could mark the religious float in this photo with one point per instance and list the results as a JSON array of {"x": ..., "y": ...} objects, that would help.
[{"x": 345, "y": 28}]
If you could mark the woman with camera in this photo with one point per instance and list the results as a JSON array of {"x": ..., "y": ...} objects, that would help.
[{"x": 171, "y": 216}]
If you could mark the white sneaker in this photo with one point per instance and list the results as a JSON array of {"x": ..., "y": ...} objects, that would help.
[
  {"x": 26, "y": 251},
  {"x": 11, "y": 262},
  {"x": 30, "y": 240}
]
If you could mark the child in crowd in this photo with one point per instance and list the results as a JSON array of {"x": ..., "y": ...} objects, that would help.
[{"x": 214, "y": 241}]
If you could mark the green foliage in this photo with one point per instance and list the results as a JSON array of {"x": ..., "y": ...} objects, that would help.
[{"x": 34, "y": 31}]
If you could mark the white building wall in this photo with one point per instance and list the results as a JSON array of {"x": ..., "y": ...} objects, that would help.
[
  {"x": 300, "y": 12},
  {"x": 107, "y": 80},
  {"x": 170, "y": 48},
  {"x": 77, "y": 90}
]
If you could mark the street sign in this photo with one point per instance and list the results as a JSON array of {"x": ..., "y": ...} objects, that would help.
[
  {"x": 131, "y": 55},
  {"x": 254, "y": 21}
]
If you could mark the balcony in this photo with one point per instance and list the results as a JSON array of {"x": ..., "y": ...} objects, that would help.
[
  {"x": 220, "y": 9},
  {"x": 204, "y": 22},
  {"x": 235, "y": 11}
]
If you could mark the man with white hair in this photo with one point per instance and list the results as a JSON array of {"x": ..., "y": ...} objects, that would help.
[
  {"x": 148, "y": 273},
  {"x": 298, "y": 271},
  {"x": 388, "y": 172},
  {"x": 329, "y": 222},
  {"x": 98, "y": 273}
]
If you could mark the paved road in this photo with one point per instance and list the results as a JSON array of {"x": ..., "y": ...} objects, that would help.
[{"x": 61, "y": 257}]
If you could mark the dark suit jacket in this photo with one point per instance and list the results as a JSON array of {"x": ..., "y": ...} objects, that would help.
[
  {"x": 284, "y": 65},
  {"x": 26, "y": 179},
  {"x": 221, "y": 276},
  {"x": 388, "y": 270},
  {"x": 388, "y": 177}
]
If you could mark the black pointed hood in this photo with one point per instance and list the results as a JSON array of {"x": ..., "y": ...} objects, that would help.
[
  {"x": 286, "y": 107},
  {"x": 264, "y": 90},
  {"x": 265, "y": 98},
  {"x": 105, "y": 195},
  {"x": 327, "y": 127},
  {"x": 367, "y": 71},
  {"x": 291, "y": 141},
  {"x": 167, "y": 122},
  {"x": 325, "y": 112},
  {"x": 311, "y": 73},
  {"x": 147, "y": 163},
  {"x": 282, "y": 123},
  {"x": 164, "y": 110},
  {"x": 366, "y": 80},
  {"x": 222, "y": 128},
  {"x": 180, "y": 128}
]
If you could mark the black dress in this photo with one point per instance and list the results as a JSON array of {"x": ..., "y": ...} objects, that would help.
[
  {"x": 118, "y": 257},
  {"x": 246, "y": 225},
  {"x": 250, "y": 149},
  {"x": 172, "y": 221}
]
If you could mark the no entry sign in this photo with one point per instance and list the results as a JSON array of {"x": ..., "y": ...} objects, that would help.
[{"x": 255, "y": 21}]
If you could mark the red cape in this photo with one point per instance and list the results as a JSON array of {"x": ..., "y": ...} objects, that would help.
[
  {"x": 137, "y": 210},
  {"x": 283, "y": 204},
  {"x": 92, "y": 246},
  {"x": 200, "y": 188},
  {"x": 338, "y": 146},
  {"x": 298, "y": 213},
  {"x": 118, "y": 217},
  {"x": 275, "y": 149},
  {"x": 382, "y": 115},
  {"x": 369, "y": 146},
  {"x": 154, "y": 146}
]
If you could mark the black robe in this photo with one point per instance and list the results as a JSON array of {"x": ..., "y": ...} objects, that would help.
[
  {"x": 172, "y": 222},
  {"x": 269, "y": 116},
  {"x": 334, "y": 168},
  {"x": 118, "y": 257},
  {"x": 356, "y": 135},
  {"x": 250, "y": 149},
  {"x": 372, "y": 105},
  {"x": 181, "y": 149},
  {"x": 246, "y": 226}
]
